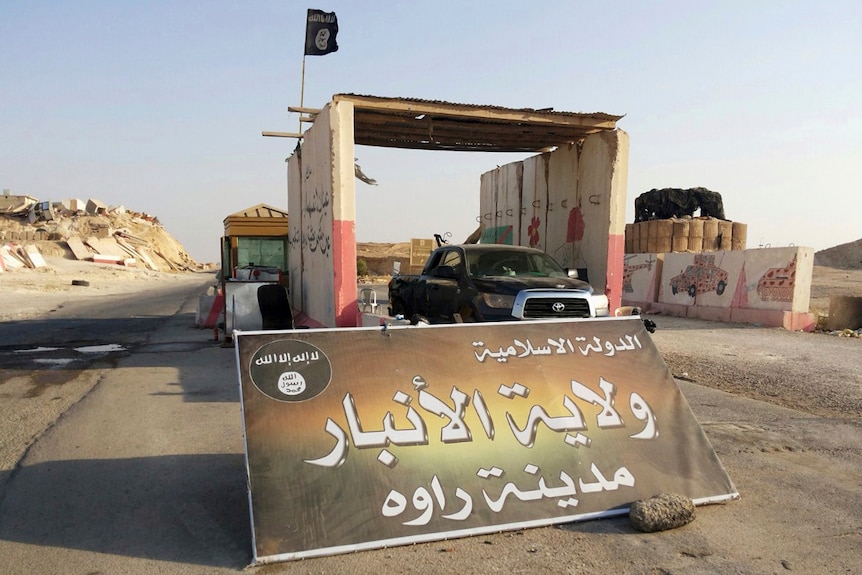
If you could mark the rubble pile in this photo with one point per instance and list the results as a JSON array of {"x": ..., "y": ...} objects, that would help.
[{"x": 89, "y": 232}]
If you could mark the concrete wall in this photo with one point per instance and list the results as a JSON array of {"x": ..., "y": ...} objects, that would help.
[
  {"x": 534, "y": 201},
  {"x": 322, "y": 223},
  {"x": 500, "y": 200},
  {"x": 641, "y": 277},
  {"x": 569, "y": 203},
  {"x": 764, "y": 286}
]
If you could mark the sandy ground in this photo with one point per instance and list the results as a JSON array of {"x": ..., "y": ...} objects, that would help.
[
  {"x": 28, "y": 293},
  {"x": 829, "y": 282}
]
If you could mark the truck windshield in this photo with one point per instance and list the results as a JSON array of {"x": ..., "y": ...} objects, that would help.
[{"x": 513, "y": 263}]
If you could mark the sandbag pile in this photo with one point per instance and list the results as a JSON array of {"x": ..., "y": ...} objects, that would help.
[{"x": 686, "y": 234}]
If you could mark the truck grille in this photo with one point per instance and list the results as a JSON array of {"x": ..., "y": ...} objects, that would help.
[{"x": 535, "y": 308}]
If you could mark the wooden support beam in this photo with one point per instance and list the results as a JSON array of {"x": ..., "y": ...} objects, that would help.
[
  {"x": 302, "y": 110},
  {"x": 281, "y": 134}
]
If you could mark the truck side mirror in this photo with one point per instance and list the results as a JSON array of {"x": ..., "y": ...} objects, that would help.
[{"x": 572, "y": 273}]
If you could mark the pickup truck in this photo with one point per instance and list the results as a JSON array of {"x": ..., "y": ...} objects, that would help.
[{"x": 492, "y": 282}]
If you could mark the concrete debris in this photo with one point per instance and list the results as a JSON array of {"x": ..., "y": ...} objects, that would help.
[
  {"x": 79, "y": 250},
  {"x": 86, "y": 232},
  {"x": 74, "y": 205},
  {"x": 14, "y": 256},
  {"x": 16, "y": 205},
  {"x": 41, "y": 211},
  {"x": 32, "y": 256},
  {"x": 105, "y": 247},
  {"x": 661, "y": 512},
  {"x": 95, "y": 207},
  {"x": 108, "y": 259},
  {"x": 11, "y": 259}
]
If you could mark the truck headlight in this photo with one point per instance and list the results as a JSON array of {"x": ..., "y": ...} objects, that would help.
[
  {"x": 499, "y": 301},
  {"x": 602, "y": 305}
]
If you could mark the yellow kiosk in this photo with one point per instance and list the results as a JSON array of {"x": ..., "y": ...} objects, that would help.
[{"x": 254, "y": 253}]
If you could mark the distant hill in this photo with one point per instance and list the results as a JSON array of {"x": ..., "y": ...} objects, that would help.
[{"x": 845, "y": 256}]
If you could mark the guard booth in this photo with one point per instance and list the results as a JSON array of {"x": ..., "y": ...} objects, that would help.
[{"x": 253, "y": 253}]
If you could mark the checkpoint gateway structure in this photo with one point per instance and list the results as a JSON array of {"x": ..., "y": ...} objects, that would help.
[{"x": 567, "y": 198}]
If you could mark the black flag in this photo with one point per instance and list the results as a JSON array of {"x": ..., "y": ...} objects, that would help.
[{"x": 320, "y": 31}]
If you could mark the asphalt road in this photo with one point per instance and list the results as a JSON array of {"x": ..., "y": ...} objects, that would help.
[
  {"x": 122, "y": 441},
  {"x": 127, "y": 457}
]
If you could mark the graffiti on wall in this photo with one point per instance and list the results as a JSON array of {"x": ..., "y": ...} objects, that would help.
[
  {"x": 702, "y": 276},
  {"x": 497, "y": 235},
  {"x": 777, "y": 284},
  {"x": 316, "y": 221},
  {"x": 533, "y": 231},
  {"x": 318, "y": 228},
  {"x": 316, "y": 233},
  {"x": 774, "y": 279},
  {"x": 575, "y": 229},
  {"x": 630, "y": 269}
]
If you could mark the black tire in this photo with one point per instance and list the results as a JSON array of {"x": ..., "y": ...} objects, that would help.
[
  {"x": 692, "y": 290},
  {"x": 397, "y": 308},
  {"x": 82, "y": 283},
  {"x": 719, "y": 289},
  {"x": 467, "y": 315}
]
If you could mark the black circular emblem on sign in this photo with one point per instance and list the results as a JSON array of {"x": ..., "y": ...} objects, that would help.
[{"x": 290, "y": 370}]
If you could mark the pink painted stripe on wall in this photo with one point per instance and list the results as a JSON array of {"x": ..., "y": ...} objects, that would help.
[
  {"x": 344, "y": 261},
  {"x": 614, "y": 277}
]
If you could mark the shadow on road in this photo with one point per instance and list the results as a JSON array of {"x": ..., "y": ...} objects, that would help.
[
  {"x": 178, "y": 508},
  {"x": 55, "y": 351}
]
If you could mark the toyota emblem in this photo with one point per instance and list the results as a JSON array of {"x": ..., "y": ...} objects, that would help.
[{"x": 558, "y": 306}]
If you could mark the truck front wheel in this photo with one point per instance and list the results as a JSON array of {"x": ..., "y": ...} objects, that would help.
[
  {"x": 396, "y": 307},
  {"x": 467, "y": 314}
]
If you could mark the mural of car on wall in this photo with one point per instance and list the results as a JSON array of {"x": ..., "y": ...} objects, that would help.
[
  {"x": 701, "y": 277},
  {"x": 777, "y": 283},
  {"x": 629, "y": 270}
]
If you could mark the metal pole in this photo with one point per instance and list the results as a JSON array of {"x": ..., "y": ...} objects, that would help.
[{"x": 302, "y": 93}]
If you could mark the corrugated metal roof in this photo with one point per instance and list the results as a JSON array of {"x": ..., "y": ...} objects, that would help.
[
  {"x": 259, "y": 211},
  {"x": 437, "y": 125}
]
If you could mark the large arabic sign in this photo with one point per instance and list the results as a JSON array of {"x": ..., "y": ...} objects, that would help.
[{"x": 365, "y": 438}]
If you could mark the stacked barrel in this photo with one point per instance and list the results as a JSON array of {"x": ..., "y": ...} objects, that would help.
[{"x": 693, "y": 235}]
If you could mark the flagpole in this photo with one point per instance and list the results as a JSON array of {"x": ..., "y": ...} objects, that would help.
[{"x": 302, "y": 94}]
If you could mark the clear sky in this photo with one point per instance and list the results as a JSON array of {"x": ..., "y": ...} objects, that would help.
[{"x": 159, "y": 106}]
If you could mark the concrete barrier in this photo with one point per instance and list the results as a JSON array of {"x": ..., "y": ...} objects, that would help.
[
  {"x": 210, "y": 310},
  {"x": 845, "y": 312},
  {"x": 761, "y": 286}
]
